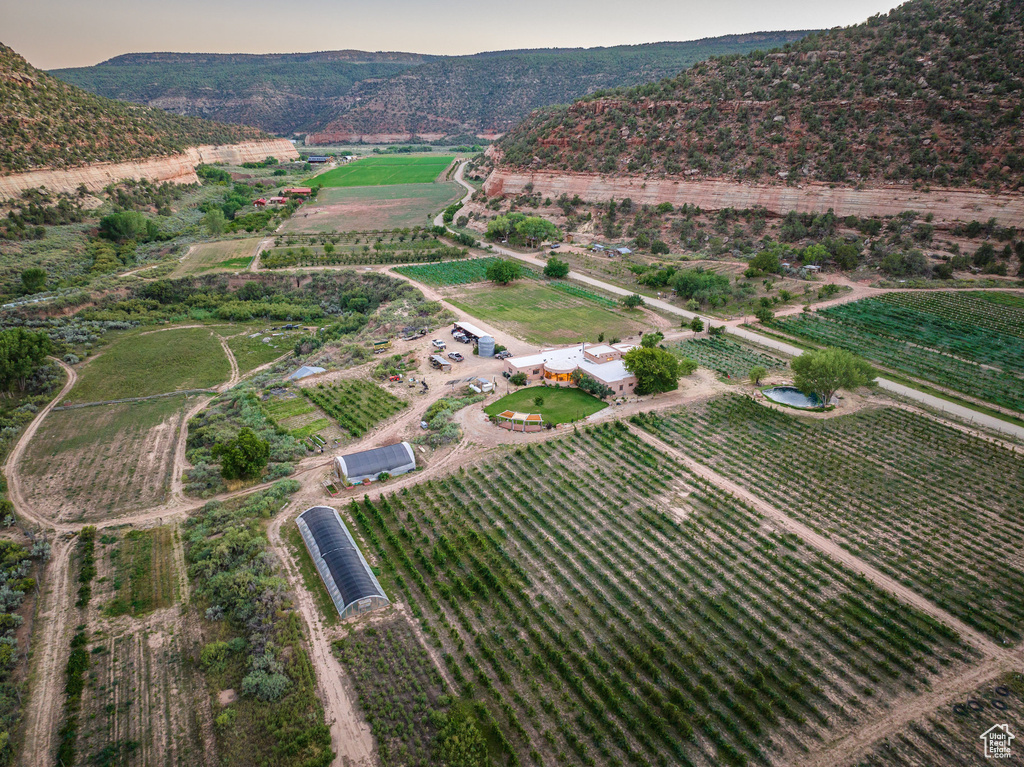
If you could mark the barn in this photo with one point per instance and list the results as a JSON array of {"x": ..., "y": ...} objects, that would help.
[
  {"x": 348, "y": 578},
  {"x": 370, "y": 464}
]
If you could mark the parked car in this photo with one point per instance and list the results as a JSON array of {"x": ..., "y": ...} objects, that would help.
[
  {"x": 455, "y": 356},
  {"x": 459, "y": 337},
  {"x": 438, "y": 343},
  {"x": 464, "y": 339},
  {"x": 503, "y": 355}
]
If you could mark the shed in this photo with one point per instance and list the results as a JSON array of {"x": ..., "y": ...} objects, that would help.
[
  {"x": 623, "y": 251},
  {"x": 470, "y": 330},
  {"x": 370, "y": 464},
  {"x": 349, "y": 580},
  {"x": 439, "y": 362}
]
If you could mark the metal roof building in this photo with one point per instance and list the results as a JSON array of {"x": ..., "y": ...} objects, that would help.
[
  {"x": 470, "y": 329},
  {"x": 370, "y": 464},
  {"x": 348, "y": 578}
]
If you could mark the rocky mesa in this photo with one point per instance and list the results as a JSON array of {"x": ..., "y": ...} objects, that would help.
[{"x": 176, "y": 169}]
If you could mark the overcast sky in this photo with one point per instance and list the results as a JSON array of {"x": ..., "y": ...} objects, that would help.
[{"x": 65, "y": 33}]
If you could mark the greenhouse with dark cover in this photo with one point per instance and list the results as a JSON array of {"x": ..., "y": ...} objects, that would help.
[
  {"x": 349, "y": 579},
  {"x": 370, "y": 464}
]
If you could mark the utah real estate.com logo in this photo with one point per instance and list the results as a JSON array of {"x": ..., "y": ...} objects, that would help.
[{"x": 997, "y": 741}]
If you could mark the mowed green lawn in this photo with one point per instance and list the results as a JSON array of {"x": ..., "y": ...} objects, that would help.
[
  {"x": 383, "y": 171},
  {"x": 541, "y": 315},
  {"x": 141, "y": 364},
  {"x": 560, "y": 405}
]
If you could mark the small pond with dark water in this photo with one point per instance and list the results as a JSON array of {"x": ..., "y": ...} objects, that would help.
[{"x": 789, "y": 395}]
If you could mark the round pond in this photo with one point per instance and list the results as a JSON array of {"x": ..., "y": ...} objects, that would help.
[{"x": 789, "y": 395}]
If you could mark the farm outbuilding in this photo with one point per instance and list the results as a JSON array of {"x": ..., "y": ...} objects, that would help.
[
  {"x": 370, "y": 464},
  {"x": 470, "y": 330},
  {"x": 345, "y": 572}
]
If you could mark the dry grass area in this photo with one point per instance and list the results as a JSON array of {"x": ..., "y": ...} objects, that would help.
[
  {"x": 233, "y": 255},
  {"x": 95, "y": 462}
]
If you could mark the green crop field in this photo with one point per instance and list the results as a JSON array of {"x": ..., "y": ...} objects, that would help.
[
  {"x": 944, "y": 737},
  {"x": 726, "y": 357},
  {"x": 356, "y": 405},
  {"x": 972, "y": 344},
  {"x": 541, "y": 315},
  {"x": 441, "y": 275},
  {"x": 384, "y": 171},
  {"x": 397, "y": 246},
  {"x": 143, "y": 572},
  {"x": 140, "y": 364},
  {"x": 560, "y": 405},
  {"x": 606, "y": 606},
  {"x": 399, "y": 689},
  {"x": 903, "y": 492}
]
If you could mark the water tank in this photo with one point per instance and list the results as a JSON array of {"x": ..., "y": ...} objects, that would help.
[{"x": 485, "y": 346}]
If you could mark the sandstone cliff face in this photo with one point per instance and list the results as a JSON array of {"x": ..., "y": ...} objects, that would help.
[
  {"x": 176, "y": 169},
  {"x": 946, "y": 205}
]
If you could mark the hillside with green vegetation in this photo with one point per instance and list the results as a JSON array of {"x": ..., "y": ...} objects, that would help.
[
  {"x": 279, "y": 92},
  {"x": 929, "y": 93},
  {"x": 491, "y": 92},
  {"x": 47, "y": 123},
  {"x": 340, "y": 92}
]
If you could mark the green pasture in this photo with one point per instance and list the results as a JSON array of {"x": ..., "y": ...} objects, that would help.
[
  {"x": 385, "y": 171},
  {"x": 561, "y": 405},
  {"x": 140, "y": 364},
  {"x": 540, "y": 315}
]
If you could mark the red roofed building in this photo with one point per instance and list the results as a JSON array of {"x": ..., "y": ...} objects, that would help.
[
  {"x": 260, "y": 203},
  {"x": 298, "y": 191}
]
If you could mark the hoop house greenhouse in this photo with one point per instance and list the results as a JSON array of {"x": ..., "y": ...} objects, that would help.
[
  {"x": 348, "y": 578},
  {"x": 370, "y": 464}
]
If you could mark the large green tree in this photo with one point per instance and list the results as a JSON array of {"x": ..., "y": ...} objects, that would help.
[
  {"x": 555, "y": 268},
  {"x": 243, "y": 457},
  {"x": 503, "y": 271},
  {"x": 128, "y": 225},
  {"x": 21, "y": 353},
  {"x": 533, "y": 229},
  {"x": 656, "y": 370},
  {"x": 826, "y": 371}
]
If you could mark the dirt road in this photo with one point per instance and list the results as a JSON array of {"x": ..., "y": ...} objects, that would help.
[
  {"x": 45, "y": 704},
  {"x": 829, "y": 547},
  {"x": 12, "y": 466},
  {"x": 350, "y": 734}
]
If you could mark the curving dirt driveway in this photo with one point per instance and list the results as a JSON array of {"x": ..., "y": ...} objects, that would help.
[{"x": 12, "y": 465}]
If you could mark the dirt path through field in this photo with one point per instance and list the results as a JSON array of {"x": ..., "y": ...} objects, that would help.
[
  {"x": 254, "y": 265},
  {"x": 44, "y": 708},
  {"x": 11, "y": 468},
  {"x": 830, "y": 548},
  {"x": 847, "y": 749},
  {"x": 235, "y": 376},
  {"x": 350, "y": 734}
]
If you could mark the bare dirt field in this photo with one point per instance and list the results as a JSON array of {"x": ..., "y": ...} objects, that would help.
[
  {"x": 380, "y": 207},
  {"x": 91, "y": 463}
]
